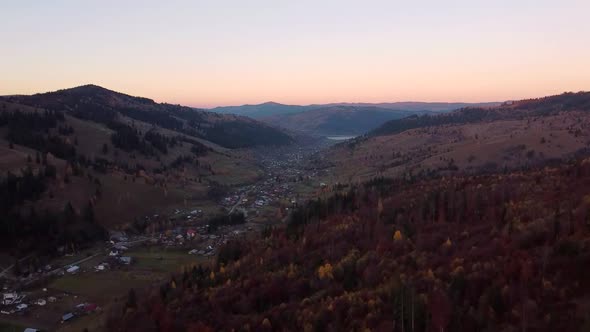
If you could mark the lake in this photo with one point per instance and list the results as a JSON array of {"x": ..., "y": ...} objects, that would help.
[{"x": 340, "y": 137}]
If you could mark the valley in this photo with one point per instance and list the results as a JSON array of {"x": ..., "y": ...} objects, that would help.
[
  {"x": 295, "y": 166},
  {"x": 408, "y": 212}
]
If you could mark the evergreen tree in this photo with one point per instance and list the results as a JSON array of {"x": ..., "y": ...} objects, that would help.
[{"x": 89, "y": 213}]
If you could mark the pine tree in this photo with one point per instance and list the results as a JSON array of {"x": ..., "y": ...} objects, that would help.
[{"x": 89, "y": 213}]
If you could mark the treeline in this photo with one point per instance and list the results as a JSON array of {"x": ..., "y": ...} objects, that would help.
[
  {"x": 535, "y": 107},
  {"x": 467, "y": 115},
  {"x": 53, "y": 144},
  {"x": 162, "y": 119},
  {"x": 50, "y": 233},
  {"x": 32, "y": 129},
  {"x": 160, "y": 142},
  {"x": 15, "y": 190},
  {"x": 39, "y": 121},
  {"x": 316, "y": 210},
  {"x": 198, "y": 148},
  {"x": 27, "y": 231},
  {"x": 564, "y": 102},
  {"x": 341, "y": 203}
]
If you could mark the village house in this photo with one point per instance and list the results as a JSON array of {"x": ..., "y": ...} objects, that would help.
[
  {"x": 67, "y": 317},
  {"x": 191, "y": 233},
  {"x": 126, "y": 260},
  {"x": 73, "y": 269}
]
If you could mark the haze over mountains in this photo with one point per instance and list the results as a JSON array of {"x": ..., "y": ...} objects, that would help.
[{"x": 339, "y": 118}]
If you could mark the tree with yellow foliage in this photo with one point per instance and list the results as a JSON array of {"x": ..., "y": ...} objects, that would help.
[
  {"x": 448, "y": 243},
  {"x": 397, "y": 236},
  {"x": 326, "y": 271},
  {"x": 266, "y": 324}
]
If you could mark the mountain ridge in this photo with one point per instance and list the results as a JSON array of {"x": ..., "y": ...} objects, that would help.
[{"x": 265, "y": 108}]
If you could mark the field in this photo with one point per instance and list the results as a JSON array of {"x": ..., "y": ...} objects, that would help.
[
  {"x": 231, "y": 171},
  {"x": 162, "y": 260},
  {"x": 102, "y": 286},
  {"x": 150, "y": 265},
  {"x": 10, "y": 327}
]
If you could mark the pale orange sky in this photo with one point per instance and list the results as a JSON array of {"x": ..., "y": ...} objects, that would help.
[{"x": 209, "y": 53}]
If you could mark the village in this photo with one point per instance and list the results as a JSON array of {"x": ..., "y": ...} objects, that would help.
[
  {"x": 69, "y": 292},
  {"x": 288, "y": 180}
]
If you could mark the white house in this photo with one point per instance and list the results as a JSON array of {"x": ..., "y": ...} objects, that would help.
[{"x": 9, "y": 298}]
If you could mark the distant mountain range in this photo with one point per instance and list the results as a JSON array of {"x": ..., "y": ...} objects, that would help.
[
  {"x": 261, "y": 110},
  {"x": 339, "y": 118},
  {"x": 272, "y": 108}
]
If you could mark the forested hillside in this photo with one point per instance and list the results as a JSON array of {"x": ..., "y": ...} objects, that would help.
[{"x": 499, "y": 252}]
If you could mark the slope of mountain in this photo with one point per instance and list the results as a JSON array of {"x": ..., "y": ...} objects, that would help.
[
  {"x": 336, "y": 120},
  {"x": 517, "y": 134},
  {"x": 98, "y": 104},
  {"x": 77, "y": 161}
]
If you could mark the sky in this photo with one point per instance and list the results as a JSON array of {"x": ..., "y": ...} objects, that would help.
[{"x": 222, "y": 52}]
